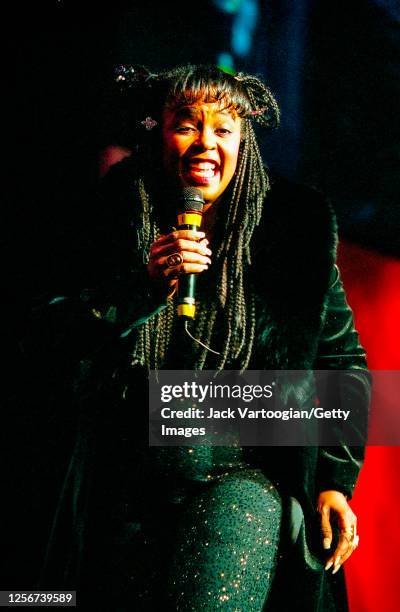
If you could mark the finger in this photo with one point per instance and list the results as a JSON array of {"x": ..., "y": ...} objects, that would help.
[
  {"x": 348, "y": 528},
  {"x": 161, "y": 239},
  {"x": 185, "y": 268},
  {"x": 189, "y": 257},
  {"x": 187, "y": 234},
  {"x": 204, "y": 243},
  {"x": 347, "y": 521},
  {"x": 349, "y": 552},
  {"x": 338, "y": 564},
  {"x": 178, "y": 246},
  {"x": 349, "y": 539},
  {"x": 326, "y": 528},
  {"x": 175, "y": 235},
  {"x": 343, "y": 547}
]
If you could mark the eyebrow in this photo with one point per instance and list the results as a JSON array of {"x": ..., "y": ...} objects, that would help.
[{"x": 189, "y": 112}]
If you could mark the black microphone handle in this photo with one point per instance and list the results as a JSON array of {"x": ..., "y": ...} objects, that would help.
[
  {"x": 187, "y": 282},
  {"x": 187, "y": 286}
]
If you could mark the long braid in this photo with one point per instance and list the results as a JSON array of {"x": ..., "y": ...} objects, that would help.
[
  {"x": 234, "y": 300},
  {"x": 237, "y": 305},
  {"x": 152, "y": 338},
  {"x": 210, "y": 320}
]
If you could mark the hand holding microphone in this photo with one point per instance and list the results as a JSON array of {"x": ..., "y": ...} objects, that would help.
[{"x": 183, "y": 253}]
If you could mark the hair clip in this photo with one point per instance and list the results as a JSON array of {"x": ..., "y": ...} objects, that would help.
[
  {"x": 128, "y": 74},
  {"x": 124, "y": 73},
  {"x": 260, "y": 111},
  {"x": 149, "y": 123}
]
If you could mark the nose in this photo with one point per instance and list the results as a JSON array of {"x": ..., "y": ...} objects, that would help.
[{"x": 206, "y": 138}]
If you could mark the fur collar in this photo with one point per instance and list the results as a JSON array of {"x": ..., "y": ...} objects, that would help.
[{"x": 293, "y": 256}]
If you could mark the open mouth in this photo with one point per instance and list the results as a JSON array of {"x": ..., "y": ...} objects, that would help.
[{"x": 202, "y": 171}]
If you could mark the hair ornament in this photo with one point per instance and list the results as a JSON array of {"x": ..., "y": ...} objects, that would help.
[
  {"x": 259, "y": 111},
  {"x": 149, "y": 123},
  {"x": 127, "y": 75},
  {"x": 124, "y": 73},
  {"x": 265, "y": 110}
]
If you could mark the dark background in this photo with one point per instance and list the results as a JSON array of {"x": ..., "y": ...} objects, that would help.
[{"x": 334, "y": 67}]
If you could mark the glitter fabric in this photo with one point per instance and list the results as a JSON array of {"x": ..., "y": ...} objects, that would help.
[
  {"x": 209, "y": 534},
  {"x": 227, "y": 545}
]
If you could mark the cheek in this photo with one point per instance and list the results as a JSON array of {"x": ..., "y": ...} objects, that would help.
[
  {"x": 173, "y": 150},
  {"x": 170, "y": 156}
]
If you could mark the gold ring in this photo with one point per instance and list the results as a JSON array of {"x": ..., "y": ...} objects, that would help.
[
  {"x": 350, "y": 530},
  {"x": 173, "y": 260}
]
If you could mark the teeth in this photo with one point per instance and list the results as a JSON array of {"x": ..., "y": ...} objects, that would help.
[
  {"x": 207, "y": 173},
  {"x": 203, "y": 165}
]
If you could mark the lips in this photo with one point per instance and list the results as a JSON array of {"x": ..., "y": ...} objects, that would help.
[{"x": 201, "y": 171}]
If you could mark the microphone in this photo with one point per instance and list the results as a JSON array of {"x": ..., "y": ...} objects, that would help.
[{"x": 189, "y": 218}]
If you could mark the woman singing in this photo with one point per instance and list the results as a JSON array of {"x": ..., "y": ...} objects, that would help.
[{"x": 203, "y": 528}]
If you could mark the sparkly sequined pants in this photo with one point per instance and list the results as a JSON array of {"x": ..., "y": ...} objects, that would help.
[{"x": 208, "y": 542}]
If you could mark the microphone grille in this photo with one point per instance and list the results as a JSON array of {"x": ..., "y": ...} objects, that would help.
[{"x": 192, "y": 199}]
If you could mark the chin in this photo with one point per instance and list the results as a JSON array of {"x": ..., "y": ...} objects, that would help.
[{"x": 211, "y": 199}]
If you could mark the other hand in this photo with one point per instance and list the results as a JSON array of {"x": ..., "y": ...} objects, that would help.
[{"x": 333, "y": 505}]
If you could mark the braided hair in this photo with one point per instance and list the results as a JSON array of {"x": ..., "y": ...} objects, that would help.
[{"x": 226, "y": 315}]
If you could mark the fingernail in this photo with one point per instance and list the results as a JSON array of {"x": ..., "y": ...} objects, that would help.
[
  {"x": 326, "y": 543},
  {"x": 201, "y": 234},
  {"x": 209, "y": 260},
  {"x": 328, "y": 565},
  {"x": 336, "y": 569}
]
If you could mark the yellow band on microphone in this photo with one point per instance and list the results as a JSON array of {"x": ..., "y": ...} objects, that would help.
[
  {"x": 190, "y": 218},
  {"x": 187, "y": 310}
]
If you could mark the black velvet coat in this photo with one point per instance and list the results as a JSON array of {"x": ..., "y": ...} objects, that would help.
[{"x": 304, "y": 322}]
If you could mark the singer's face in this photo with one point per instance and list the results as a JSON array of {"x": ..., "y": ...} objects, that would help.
[{"x": 201, "y": 147}]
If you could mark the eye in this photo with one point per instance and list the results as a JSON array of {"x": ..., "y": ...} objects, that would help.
[
  {"x": 223, "y": 131},
  {"x": 184, "y": 129}
]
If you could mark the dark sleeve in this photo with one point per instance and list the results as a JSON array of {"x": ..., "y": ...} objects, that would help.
[
  {"x": 68, "y": 340},
  {"x": 122, "y": 303},
  {"x": 109, "y": 291},
  {"x": 340, "y": 349},
  {"x": 105, "y": 290},
  {"x": 83, "y": 324}
]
